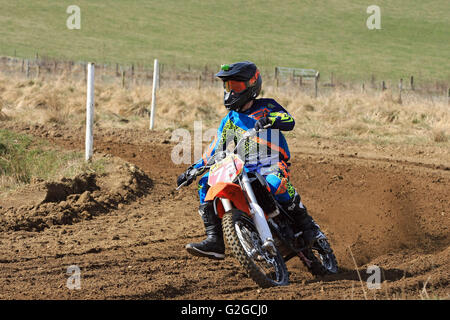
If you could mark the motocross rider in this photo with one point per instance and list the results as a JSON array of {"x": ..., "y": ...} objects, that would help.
[{"x": 242, "y": 85}]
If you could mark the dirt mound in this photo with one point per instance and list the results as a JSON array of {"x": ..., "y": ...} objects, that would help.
[
  {"x": 59, "y": 191},
  {"x": 71, "y": 200}
]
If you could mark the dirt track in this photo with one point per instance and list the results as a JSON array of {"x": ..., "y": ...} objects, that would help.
[{"x": 390, "y": 213}]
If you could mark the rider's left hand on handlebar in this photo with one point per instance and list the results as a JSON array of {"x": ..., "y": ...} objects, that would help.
[
  {"x": 187, "y": 177},
  {"x": 263, "y": 123}
]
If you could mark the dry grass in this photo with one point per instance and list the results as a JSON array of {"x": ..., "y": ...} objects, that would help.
[{"x": 341, "y": 114}]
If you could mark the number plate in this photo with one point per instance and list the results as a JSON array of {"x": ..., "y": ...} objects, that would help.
[{"x": 226, "y": 170}]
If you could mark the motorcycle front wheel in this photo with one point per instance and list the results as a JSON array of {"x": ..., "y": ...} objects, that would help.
[
  {"x": 266, "y": 269},
  {"x": 322, "y": 257}
]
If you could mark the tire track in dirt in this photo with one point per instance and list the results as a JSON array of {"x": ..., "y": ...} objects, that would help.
[{"x": 394, "y": 215}]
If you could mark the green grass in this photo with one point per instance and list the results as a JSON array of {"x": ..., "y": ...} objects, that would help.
[
  {"x": 330, "y": 36},
  {"x": 23, "y": 158}
]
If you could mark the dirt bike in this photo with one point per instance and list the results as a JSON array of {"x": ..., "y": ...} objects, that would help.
[{"x": 256, "y": 227}]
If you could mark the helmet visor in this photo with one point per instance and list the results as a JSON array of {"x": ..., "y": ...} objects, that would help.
[
  {"x": 239, "y": 86},
  {"x": 236, "y": 86}
]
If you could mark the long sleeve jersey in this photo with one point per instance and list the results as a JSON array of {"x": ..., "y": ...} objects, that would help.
[{"x": 267, "y": 144}]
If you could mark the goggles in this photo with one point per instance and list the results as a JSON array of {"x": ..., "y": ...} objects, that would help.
[{"x": 239, "y": 86}]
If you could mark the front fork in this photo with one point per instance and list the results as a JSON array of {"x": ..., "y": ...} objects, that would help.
[{"x": 258, "y": 216}]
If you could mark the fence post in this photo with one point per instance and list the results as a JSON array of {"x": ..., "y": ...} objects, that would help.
[
  {"x": 383, "y": 85},
  {"x": 123, "y": 78},
  {"x": 316, "y": 84},
  {"x": 448, "y": 96},
  {"x": 155, "y": 83},
  {"x": 199, "y": 81},
  {"x": 412, "y": 83},
  {"x": 89, "y": 112},
  {"x": 363, "y": 89},
  {"x": 28, "y": 68}
]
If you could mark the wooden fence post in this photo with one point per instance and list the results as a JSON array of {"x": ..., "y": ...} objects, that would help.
[
  {"x": 383, "y": 86},
  {"x": 28, "y": 69},
  {"x": 316, "y": 84},
  {"x": 412, "y": 83},
  {"x": 363, "y": 89},
  {"x": 199, "y": 81},
  {"x": 123, "y": 78}
]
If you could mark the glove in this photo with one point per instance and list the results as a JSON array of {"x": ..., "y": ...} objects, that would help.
[
  {"x": 261, "y": 123},
  {"x": 185, "y": 176}
]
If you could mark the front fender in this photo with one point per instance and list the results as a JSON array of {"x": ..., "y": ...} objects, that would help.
[{"x": 231, "y": 191}]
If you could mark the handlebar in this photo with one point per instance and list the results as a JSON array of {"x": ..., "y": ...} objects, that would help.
[{"x": 198, "y": 171}]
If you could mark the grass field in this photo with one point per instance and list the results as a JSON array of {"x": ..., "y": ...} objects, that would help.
[
  {"x": 23, "y": 158},
  {"x": 330, "y": 36}
]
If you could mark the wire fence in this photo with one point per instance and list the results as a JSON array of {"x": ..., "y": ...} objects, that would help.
[{"x": 282, "y": 78}]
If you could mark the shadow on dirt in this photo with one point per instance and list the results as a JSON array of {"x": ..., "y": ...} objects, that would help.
[{"x": 349, "y": 274}]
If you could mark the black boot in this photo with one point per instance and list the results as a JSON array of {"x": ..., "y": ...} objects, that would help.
[
  {"x": 213, "y": 246},
  {"x": 303, "y": 221}
]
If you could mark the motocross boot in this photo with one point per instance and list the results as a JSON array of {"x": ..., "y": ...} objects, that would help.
[
  {"x": 303, "y": 221},
  {"x": 213, "y": 246}
]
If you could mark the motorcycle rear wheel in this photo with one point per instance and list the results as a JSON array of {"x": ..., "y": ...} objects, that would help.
[{"x": 243, "y": 238}]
